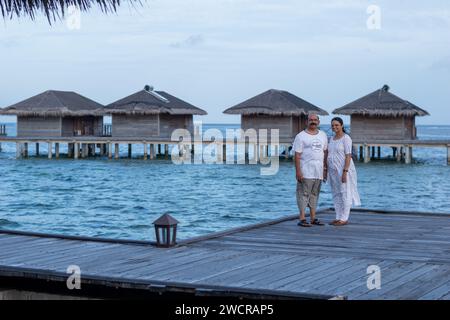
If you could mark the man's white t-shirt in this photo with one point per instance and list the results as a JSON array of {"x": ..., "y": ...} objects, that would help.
[{"x": 312, "y": 147}]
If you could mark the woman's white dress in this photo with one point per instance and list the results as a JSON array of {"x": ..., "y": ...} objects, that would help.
[{"x": 344, "y": 194}]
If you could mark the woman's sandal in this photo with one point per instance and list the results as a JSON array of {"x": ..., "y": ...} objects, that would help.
[
  {"x": 334, "y": 222},
  {"x": 317, "y": 222},
  {"x": 304, "y": 223},
  {"x": 341, "y": 223}
]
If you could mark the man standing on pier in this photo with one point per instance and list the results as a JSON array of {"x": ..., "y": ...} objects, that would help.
[{"x": 310, "y": 147}]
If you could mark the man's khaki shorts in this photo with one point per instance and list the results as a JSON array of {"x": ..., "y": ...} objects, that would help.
[{"x": 308, "y": 193}]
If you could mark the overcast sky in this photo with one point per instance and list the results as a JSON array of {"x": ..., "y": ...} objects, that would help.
[{"x": 215, "y": 54}]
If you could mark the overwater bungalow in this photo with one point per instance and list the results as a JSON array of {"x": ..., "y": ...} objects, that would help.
[
  {"x": 151, "y": 114},
  {"x": 382, "y": 117},
  {"x": 275, "y": 109},
  {"x": 57, "y": 114}
]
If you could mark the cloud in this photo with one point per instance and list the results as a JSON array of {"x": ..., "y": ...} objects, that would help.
[{"x": 191, "y": 41}]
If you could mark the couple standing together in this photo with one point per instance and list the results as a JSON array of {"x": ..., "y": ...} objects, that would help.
[{"x": 317, "y": 160}]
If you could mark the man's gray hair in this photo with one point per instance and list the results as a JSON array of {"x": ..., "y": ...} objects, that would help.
[{"x": 313, "y": 114}]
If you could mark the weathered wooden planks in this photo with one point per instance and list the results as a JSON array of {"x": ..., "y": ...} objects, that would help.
[{"x": 411, "y": 250}]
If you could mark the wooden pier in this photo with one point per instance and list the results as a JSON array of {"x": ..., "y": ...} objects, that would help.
[
  {"x": 84, "y": 147},
  {"x": 402, "y": 149},
  {"x": 272, "y": 259},
  {"x": 87, "y": 146}
]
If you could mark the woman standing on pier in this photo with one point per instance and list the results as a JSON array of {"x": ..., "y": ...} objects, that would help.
[{"x": 342, "y": 173}]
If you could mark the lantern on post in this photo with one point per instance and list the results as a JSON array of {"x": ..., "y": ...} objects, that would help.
[{"x": 166, "y": 231}]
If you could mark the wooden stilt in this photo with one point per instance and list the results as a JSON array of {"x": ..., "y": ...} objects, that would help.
[
  {"x": 70, "y": 148},
  {"x": 76, "y": 150},
  {"x": 18, "y": 151},
  {"x": 448, "y": 154},
  {"x": 84, "y": 150},
  {"x": 255, "y": 153},
  {"x": 399, "y": 154},
  {"x": 373, "y": 153},
  {"x": 116, "y": 151},
  {"x": 166, "y": 151},
  {"x": 110, "y": 151},
  {"x": 407, "y": 155},
  {"x": 129, "y": 150},
  {"x": 366, "y": 154},
  {"x": 224, "y": 152},
  {"x": 25, "y": 149},
  {"x": 159, "y": 148},
  {"x": 57, "y": 150},
  {"x": 37, "y": 148},
  {"x": 145, "y": 151},
  {"x": 152, "y": 151},
  {"x": 246, "y": 152},
  {"x": 286, "y": 151},
  {"x": 361, "y": 153},
  {"x": 50, "y": 147},
  {"x": 379, "y": 153}
]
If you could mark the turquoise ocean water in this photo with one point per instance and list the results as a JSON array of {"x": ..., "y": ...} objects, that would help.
[{"x": 121, "y": 198}]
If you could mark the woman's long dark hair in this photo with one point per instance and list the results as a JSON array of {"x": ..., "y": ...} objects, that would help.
[{"x": 340, "y": 121}]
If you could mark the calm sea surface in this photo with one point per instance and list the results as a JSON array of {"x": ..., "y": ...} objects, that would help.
[{"x": 121, "y": 198}]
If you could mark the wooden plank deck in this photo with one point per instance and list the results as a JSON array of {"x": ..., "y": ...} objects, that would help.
[{"x": 277, "y": 257}]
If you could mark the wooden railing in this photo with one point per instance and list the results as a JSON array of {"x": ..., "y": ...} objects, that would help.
[
  {"x": 107, "y": 130},
  {"x": 2, "y": 130}
]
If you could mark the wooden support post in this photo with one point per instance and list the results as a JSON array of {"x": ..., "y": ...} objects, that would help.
[
  {"x": 379, "y": 153},
  {"x": 76, "y": 150},
  {"x": 37, "y": 148},
  {"x": 366, "y": 154},
  {"x": 102, "y": 149},
  {"x": 399, "y": 154},
  {"x": 286, "y": 151},
  {"x": 361, "y": 153},
  {"x": 224, "y": 152},
  {"x": 152, "y": 151},
  {"x": 57, "y": 150},
  {"x": 70, "y": 150},
  {"x": 246, "y": 150},
  {"x": 255, "y": 153},
  {"x": 110, "y": 150},
  {"x": 50, "y": 147},
  {"x": 407, "y": 155},
  {"x": 373, "y": 153},
  {"x": 25, "y": 149},
  {"x": 84, "y": 150},
  {"x": 129, "y": 150},
  {"x": 448, "y": 154},
  {"x": 18, "y": 151},
  {"x": 166, "y": 151},
  {"x": 116, "y": 151},
  {"x": 145, "y": 150},
  {"x": 159, "y": 148}
]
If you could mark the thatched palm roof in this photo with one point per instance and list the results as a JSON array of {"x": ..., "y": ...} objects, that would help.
[
  {"x": 148, "y": 101},
  {"x": 381, "y": 103},
  {"x": 275, "y": 102},
  {"x": 55, "y": 103},
  {"x": 53, "y": 8}
]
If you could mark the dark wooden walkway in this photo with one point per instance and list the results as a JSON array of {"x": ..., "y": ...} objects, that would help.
[{"x": 412, "y": 251}]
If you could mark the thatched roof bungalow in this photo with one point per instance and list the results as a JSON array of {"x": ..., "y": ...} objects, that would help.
[
  {"x": 52, "y": 9},
  {"x": 381, "y": 115},
  {"x": 150, "y": 113},
  {"x": 275, "y": 109},
  {"x": 57, "y": 114}
]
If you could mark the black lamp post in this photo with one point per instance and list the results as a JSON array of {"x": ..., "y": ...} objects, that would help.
[{"x": 166, "y": 231}]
